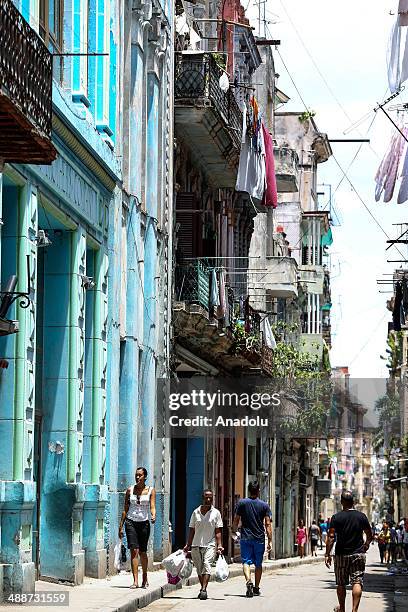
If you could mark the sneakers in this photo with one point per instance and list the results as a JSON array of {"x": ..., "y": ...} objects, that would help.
[
  {"x": 256, "y": 591},
  {"x": 250, "y": 589},
  {"x": 202, "y": 595}
]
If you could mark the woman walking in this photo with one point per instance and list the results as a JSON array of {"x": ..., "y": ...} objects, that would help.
[
  {"x": 301, "y": 538},
  {"x": 135, "y": 516},
  {"x": 314, "y": 535},
  {"x": 383, "y": 540}
]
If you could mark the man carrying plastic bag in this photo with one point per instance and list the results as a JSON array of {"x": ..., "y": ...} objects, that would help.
[
  {"x": 177, "y": 566},
  {"x": 204, "y": 539}
]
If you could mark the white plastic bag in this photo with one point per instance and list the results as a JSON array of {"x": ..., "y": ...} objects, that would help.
[
  {"x": 186, "y": 570},
  {"x": 221, "y": 569},
  {"x": 117, "y": 563},
  {"x": 174, "y": 562},
  {"x": 224, "y": 82}
]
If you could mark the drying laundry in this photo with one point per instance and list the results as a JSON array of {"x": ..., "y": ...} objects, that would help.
[
  {"x": 271, "y": 193},
  {"x": 267, "y": 333},
  {"x": 214, "y": 293},
  {"x": 397, "y": 61},
  {"x": 387, "y": 172},
  {"x": 251, "y": 169}
]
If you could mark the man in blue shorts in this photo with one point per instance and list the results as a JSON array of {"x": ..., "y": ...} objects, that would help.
[{"x": 255, "y": 517}]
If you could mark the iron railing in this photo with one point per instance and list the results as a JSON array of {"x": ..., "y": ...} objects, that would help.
[
  {"x": 25, "y": 68},
  {"x": 197, "y": 77},
  {"x": 193, "y": 284},
  {"x": 286, "y": 161}
]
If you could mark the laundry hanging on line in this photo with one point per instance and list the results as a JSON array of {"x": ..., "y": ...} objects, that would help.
[
  {"x": 397, "y": 60},
  {"x": 388, "y": 171},
  {"x": 256, "y": 171}
]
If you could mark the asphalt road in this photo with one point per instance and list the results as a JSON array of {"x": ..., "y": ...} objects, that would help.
[{"x": 307, "y": 588}]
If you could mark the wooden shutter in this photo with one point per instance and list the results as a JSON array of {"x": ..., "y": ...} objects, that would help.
[{"x": 189, "y": 235}]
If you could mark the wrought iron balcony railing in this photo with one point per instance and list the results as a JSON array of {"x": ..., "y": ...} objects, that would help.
[
  {"x": 193, "y": 284},
  {"x": 197, "y": 78},
  {"x": 25, "y": 90}
]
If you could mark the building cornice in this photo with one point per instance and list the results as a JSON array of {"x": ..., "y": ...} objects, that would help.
[{"x": 108, "y": 179}]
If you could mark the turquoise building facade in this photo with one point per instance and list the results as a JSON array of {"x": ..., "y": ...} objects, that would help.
[{"x": 78, "y": 395}]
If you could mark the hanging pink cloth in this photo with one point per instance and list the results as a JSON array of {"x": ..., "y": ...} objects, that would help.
[
  {"x": 271, "y": 194},
  {"x": 387, "y": 173},
  {"x": 403, "y": 12}
]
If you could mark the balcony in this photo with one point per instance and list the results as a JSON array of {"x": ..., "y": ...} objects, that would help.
[
  {"x": 25, "y": 91},
  {"x": 312, "y": 278},
  {"x": 281, "y": 277},
  {"x": 227, "y": 347},
  {"x": 286, "y": 169},
  {"x": 209, "y": 119}
]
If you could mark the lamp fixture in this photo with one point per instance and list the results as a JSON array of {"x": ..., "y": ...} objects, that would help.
[
  {"x": 87, "y": 282},
  {"x": 42, "y": 239}
]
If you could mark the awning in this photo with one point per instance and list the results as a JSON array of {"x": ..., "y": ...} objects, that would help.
[{"x": 327, "y": 238}]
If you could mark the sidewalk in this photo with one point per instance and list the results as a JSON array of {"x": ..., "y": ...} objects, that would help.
[
  {"x": 400, "y": 592},
  {"x": 114, "y": 595}
]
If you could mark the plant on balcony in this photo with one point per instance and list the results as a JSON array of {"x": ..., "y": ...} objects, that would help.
[
  {"x": 242, "y": 340},
  {"x": 303, "y": 383},
  {"x": 304, "y": 117},
  {"x": 220, "y": 59}
]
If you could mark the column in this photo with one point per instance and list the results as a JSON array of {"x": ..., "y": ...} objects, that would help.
[
  {"x": 17, "y": 401},
  {"x": 96, "y": 492},
  {"x": 146, "y": 431},
  {"x": 62, "y": 491}
]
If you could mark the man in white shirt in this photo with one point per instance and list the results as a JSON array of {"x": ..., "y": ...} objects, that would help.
[{"x": 204, "y": 538}]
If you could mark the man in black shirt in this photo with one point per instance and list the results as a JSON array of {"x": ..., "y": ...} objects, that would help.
[{"x": 348, "y": 527}]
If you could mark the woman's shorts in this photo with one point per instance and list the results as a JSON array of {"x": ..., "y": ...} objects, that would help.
[{"x": 137, "y": 534}]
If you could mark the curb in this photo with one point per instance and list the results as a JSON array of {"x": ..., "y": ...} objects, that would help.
[
  {"x": 400, "y": 593},
  {"x": 146, "y": 599}
]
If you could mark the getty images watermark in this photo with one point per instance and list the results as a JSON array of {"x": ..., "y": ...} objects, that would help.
[
  {"x": 262, "y": 407},
  {"x": 211, "y": 401}
]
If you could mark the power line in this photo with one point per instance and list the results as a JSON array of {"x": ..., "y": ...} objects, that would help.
[
  {"x": 339, "y": 104},
  {"x": 369, "y": 339}
]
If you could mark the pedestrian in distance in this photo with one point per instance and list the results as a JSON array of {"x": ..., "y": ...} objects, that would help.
[
  {"x": 314, "y": 535},
  {"x": 400, "y": 542},
  {"x": 348, "y": 528},
  {"x": 393, "y": 544},
  {"x": 384, "y": 540},
  {"x": 405, "y": 539},
  {"x": 204, "y": 539},
  {"x": 323, "y": 532},
  {"x": 139, "y": 498},
  {"x": 255, "y": 518},
  {"x": 301, "y": 538}
]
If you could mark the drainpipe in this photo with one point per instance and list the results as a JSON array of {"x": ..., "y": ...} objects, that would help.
[{"x": 96, "y": 368}]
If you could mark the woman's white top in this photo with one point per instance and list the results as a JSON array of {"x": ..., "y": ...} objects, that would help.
[{"x": 139, "y": 506}]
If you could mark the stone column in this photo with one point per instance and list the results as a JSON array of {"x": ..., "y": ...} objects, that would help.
[
  {"x": 96, "y": 493},
  {"x": 62, "y": 495},
  {"x": 17, "y": 490}
]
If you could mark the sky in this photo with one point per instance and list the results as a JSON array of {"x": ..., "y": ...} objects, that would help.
[{"x": 348, "y": 42}]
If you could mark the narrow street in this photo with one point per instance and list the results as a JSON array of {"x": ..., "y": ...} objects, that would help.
[{"x": 309, "y": 588}]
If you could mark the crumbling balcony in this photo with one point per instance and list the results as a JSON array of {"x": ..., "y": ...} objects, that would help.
[
  {"x": 281, "y": 278},
  {"x": 25, "y": 91},
  {"x": 225, "y": 345},
  {"x": 286, "y": 170},
  {"x": 208, "y": 118}
]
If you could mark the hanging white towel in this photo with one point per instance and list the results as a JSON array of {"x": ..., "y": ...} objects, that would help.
[
  {"x": 214, "y": 294},
  {"x": 251, "y": 175},
  {"x": 268, "y": 337},
  {"x": 397, "y": 71}
]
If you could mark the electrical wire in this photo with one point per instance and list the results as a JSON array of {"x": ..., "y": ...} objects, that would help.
[
  {"x": 367, "y": 342},
  {"x": 329, "y": 88}
]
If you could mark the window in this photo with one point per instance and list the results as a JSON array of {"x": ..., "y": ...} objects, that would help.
[{"x": 51, "y": 22}]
